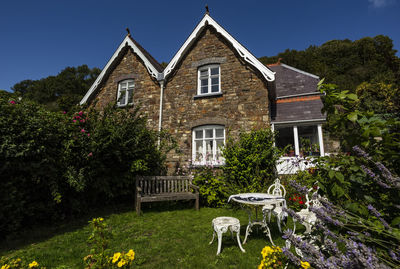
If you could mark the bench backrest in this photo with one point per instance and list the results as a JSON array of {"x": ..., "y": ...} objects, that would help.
[{"x": 151, "y": 185}]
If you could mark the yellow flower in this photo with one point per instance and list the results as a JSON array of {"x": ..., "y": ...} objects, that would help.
[
  {"x": 305, "y": 265},
  {"x": 121, "y": 263},
  {"x": 116, "y": 257},
  {"x": 101, "y": 219},
  {"x": 131, "y": 255},
  {"x": 5, "y": 266},
  {"x": 33, "y": 264}
]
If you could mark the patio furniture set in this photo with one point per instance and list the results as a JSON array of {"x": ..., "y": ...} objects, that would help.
[{"x": 271, "y": 203}]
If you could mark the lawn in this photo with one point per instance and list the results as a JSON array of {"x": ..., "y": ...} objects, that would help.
[{"x": 169, "y": 235}]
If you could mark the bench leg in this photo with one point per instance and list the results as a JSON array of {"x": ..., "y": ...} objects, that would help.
[
  {"x": 197, "y": 203},
  {"x": 138, "y": 207}
]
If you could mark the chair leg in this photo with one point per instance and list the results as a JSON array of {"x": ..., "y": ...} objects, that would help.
[
  {"x": 219, "y": 243},
  {"x": 238, "y": 239},
  {"x": 212, "y": 240}
]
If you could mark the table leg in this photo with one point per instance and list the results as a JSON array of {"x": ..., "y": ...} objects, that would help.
[
  {"x": 268, "y": 233},
  {"x": 248, "y": 231}
]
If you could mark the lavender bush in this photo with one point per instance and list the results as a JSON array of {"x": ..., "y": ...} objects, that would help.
[{"x": 354, "y": 230}]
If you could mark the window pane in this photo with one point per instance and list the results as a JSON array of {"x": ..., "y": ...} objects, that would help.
[
  {"x": 285, "y": 138},
  {"x": 308, "y": 140},
  {"x": 209, "y": 133},
  {"x": 122, "y": 98},
  {"x": 199, "y": 150},
  {"x": 204, "y": 82},
  {"x": 130, "y": 96},
  {"x": 215, "y": 81},
  {"x": 130, "y": 84},
  {"x": 204, "y": 89},
  {"x": 219, "y": 132},
  {"x": 215, "y": 71},
  {"x": 199, "y": 134},
  {"x": 209, "y": 150},
  {"x": 215, "y": 88},
  {"x": 220, "y": 145},
  {"x": 204, "y": 73}
]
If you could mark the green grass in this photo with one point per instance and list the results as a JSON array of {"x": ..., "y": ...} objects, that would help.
[{"x": 165, "y": 236}]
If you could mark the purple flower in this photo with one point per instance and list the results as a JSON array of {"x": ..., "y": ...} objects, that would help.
[
  {"x": 291, "y": 256},
  {"x": 301, "y": 189}
]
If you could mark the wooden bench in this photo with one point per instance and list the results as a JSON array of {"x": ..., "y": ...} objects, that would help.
[{"x": 165, "y": 188}]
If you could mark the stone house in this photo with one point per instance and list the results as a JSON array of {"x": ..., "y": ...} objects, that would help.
[{"x": 211, "y": 89}]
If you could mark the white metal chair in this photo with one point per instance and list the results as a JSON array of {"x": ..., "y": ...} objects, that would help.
[
  {"x": 309, "y": 217},
  {"x": 276, "y": 189}
]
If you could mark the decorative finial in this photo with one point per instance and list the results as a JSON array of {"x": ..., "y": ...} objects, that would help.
[
  {"x": 207, "y": 11},
  {"x": 129, "y": 32}
]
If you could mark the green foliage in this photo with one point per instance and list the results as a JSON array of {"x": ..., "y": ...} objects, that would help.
[
  {"x": 55, "y": 165},
  {"x": 378, "y": 134},
  {"x": 250, "y": 161},
  {"x": 295, "y": 199},
  {"x": 61, "y": 92},
  {"x": 347, "y": 63},
  {"x": 213, "y": 189}
]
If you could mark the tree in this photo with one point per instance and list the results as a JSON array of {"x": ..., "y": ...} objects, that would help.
[
  {"x": 60, "y": 92},
  {"x": 347, "y": 63}
]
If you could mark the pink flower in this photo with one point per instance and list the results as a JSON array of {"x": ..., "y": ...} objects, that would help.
[
  {"x": 12, "y": 102},
  {"x": 90, "y": 154},
  {"x": 74, "y": 120},
  {"x": 64, "y": 112},
  {"x": 83, "y": 130},
  {"x": 80, "y": 113},
  {"x": 83, "y": 120},
  {"x": 88, "y": 135}
]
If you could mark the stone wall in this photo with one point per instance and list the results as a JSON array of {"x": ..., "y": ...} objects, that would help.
[
  {"x": 146, "y": 93},
  {"x": 243, "y": 104}
]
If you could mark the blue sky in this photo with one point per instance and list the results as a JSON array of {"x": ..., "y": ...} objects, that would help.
[{"x": 40, "y": 38}]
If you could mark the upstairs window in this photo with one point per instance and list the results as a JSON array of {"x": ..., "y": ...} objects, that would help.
[
  {"x": 208, "y": 141},
  {"x": 125, "y": 92},
  {"x": 209, "y": 80}
]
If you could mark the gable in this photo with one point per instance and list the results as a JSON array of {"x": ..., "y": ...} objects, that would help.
[
  {"x": 240, "y": 49},
  {"x": 152, "y": 66}
]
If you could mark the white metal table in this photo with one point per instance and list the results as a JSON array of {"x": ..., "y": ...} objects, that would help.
[{"x": 256, "y": 200}]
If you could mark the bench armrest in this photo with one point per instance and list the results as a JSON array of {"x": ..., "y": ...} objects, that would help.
[
  {"x": 138, "y": 191},
  {"x": 194, "y": 187}
]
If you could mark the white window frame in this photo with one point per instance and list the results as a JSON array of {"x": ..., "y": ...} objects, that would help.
[
  {"x": 121, "y": 85},
  {"x": 203, "y": 140},
  {"x": 209, "y": 77}
]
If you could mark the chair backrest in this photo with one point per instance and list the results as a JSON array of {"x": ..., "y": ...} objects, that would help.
[
  {"x": 315, "y": 198},
  {"x": 277, "y": 189}
]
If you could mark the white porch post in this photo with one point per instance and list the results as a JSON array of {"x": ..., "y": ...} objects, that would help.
[
  {"x": 296, "y": 141},
  {"x": 273, "y": 130},
  {"x": 321, "y": 140}
]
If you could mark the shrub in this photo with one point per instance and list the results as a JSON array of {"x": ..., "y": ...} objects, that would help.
[
  {"x": 100, "y": 256},
  {"x": 358, "y": 227},
  {"x": 250, "y": 161},
  {"x": 55, "y": 164},
  {"x": 213, "y": 189}
]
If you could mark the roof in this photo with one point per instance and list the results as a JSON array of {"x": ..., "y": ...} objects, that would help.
[
  {"x": 296, "y": 96},
  {"x": 152, "y": 66},
  {"x": 293, "y": 81},
  {"x": 267, "y": 73},
  {"x": 150, "y": 58}
]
